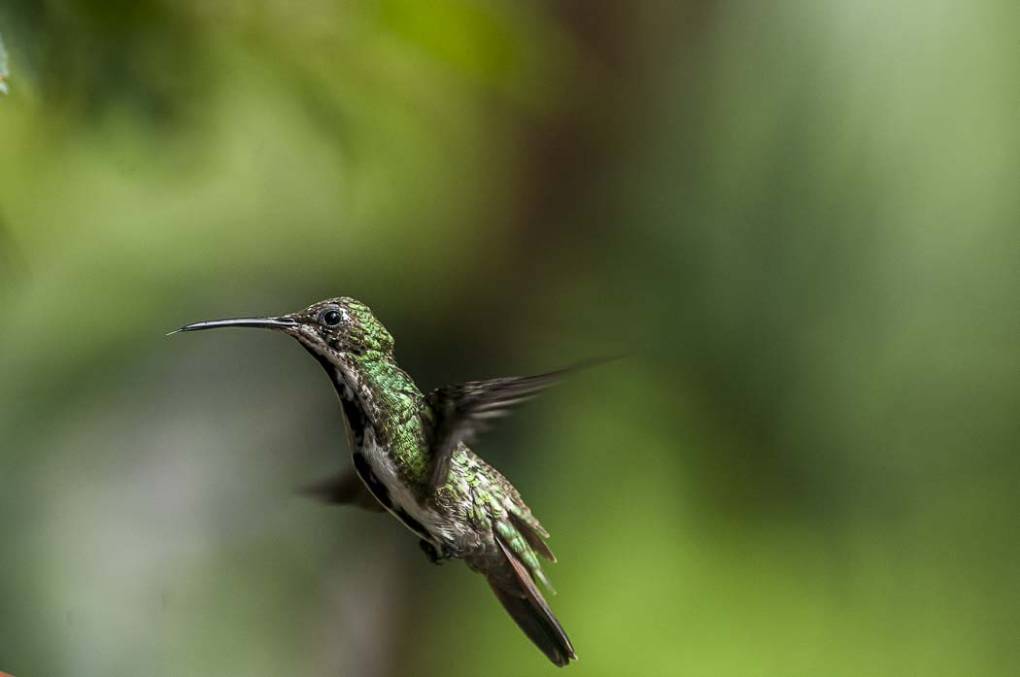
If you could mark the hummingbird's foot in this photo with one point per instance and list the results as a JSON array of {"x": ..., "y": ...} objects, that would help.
[{"x": 430, "y": 551}]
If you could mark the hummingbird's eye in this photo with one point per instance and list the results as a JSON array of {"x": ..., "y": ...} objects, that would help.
[{"x": 330, "y": 317}]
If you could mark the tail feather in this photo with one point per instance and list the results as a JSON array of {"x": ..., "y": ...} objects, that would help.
[
  {"x": 533, "y": 533},
  {"x": 525, "y": 604}
]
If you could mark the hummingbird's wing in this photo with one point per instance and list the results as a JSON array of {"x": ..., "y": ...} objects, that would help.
[
  {"x": 345, "y": 488},
  {"x": 464, "y": 410}
]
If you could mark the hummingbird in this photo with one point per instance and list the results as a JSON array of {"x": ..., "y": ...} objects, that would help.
[{"x": 411, "y": 458}]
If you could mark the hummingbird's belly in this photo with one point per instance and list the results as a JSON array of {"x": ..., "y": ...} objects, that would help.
[{"x": 379, "y": 473}]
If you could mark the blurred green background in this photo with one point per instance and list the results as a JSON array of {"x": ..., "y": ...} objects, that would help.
[{"x": 800, "y": 219}]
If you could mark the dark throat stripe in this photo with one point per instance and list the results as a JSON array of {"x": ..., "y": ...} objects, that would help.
[
  {"x": 382, "y": 494},
  {"x": 358, "y": 422}
]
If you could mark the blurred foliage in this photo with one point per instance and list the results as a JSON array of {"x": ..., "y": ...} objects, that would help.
[
  {"x": 799, "y": 218},
  {"x": 3, "y": 67}
]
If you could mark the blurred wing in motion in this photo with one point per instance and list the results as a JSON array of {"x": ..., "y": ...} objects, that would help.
[
  {"x": 465, "y": 410},
  {"x": 346, "y": 488}
]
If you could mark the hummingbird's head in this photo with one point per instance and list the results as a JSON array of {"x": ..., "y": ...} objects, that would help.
[
  {"x": 333, "y": 329},
  {"x": 339, "y": 326}
]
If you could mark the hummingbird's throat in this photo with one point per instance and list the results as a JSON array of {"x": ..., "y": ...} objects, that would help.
[{"x": 343, "y": 377}]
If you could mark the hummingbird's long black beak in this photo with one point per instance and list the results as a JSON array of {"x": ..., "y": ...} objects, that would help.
[{"x": 259, "y": 322}]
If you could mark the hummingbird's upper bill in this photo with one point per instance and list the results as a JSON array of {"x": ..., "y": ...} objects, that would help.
[{"x": 258, "y": 322}]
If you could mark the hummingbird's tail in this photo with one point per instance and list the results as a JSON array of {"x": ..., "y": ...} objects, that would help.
[{"x": 525, "y": 604}]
